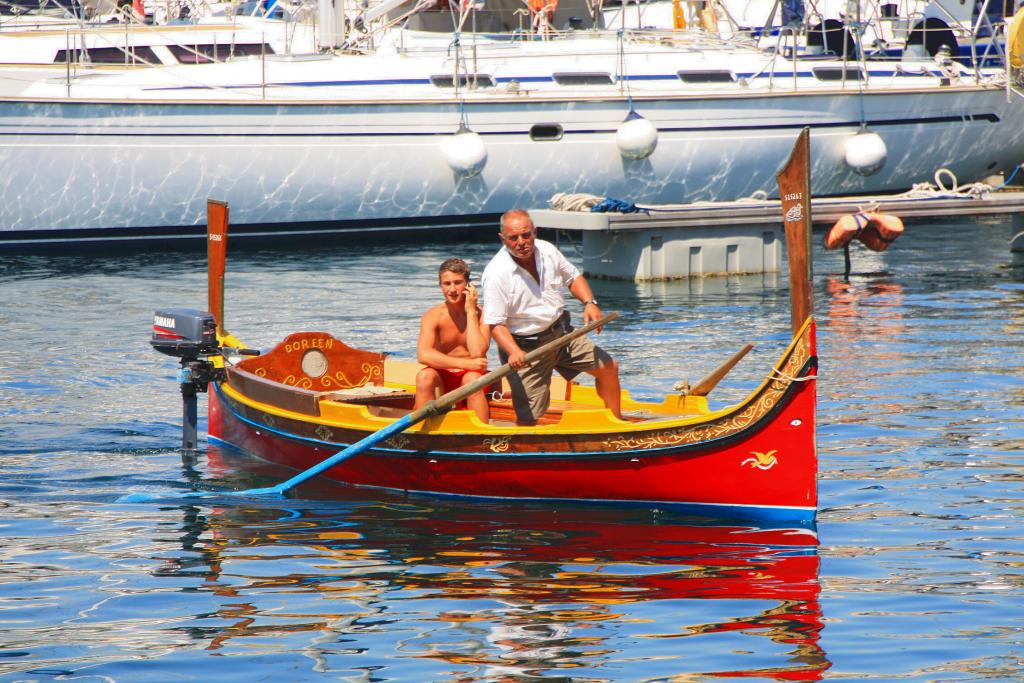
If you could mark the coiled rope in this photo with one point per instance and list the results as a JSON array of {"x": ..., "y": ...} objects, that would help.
[
  {"x": 574, "y": 201},
  {"x": 777, "y": 375},
  {"x": 977, "y": 190},
  {"x": 578, "y": 201}
]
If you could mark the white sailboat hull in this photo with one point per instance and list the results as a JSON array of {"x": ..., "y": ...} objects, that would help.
[{"x": 122, "y": 152}]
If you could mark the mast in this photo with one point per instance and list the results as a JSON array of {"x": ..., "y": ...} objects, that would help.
[{"x": 332, "y": 32}]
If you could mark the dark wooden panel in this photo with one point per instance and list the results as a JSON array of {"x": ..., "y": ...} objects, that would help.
[
  {"x": 268, "y": 391},
  {"x": 317, "y": 361}
]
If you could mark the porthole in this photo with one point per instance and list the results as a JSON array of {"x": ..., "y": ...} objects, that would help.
[
  {"x": 314, "y": 363},
  {"x": 546, "y": 131}
]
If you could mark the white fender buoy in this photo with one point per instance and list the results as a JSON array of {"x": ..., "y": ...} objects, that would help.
[
  {"x": 637, "y": 137},
  {"x": 465, "y": 152},
  {"x": 866, "y": 153}
]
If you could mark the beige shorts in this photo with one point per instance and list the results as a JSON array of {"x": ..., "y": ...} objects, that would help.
[{"x": 531, "y": 386}]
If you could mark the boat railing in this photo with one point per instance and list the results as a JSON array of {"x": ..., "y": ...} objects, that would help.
[
  {"x": 20, "y": 15},
  {"x": 788, "y": 49},
  {"x": 985, "y": 21},
  {"x": 787, "y": 44}
]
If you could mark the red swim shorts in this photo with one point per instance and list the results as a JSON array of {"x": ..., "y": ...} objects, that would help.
[{"x": 451, "y": 378}]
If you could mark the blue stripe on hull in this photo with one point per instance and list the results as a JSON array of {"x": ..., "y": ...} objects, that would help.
[{"x": 874, "y": 123}]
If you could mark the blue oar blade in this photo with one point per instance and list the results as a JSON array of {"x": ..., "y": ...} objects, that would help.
[
  {"x": 363, "y": 444},
  {"x": 399, "y": 425}
]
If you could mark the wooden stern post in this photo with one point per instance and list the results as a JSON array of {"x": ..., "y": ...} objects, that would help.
[{"x": 216, "y": 257}]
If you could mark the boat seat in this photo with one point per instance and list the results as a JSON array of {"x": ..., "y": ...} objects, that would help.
[
  {"x": 369, "y": 393},
  {"x": 645, "y": 416},
  {"x": 288, "y": 397}
]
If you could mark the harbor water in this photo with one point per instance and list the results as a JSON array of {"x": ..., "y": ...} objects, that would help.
[{"x": 914, "y": 572}]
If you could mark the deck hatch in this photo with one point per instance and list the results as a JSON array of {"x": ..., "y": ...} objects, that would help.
[
  {"x": 838, "y": 73},
  {"x": 706, "y": 76},
  {"x": 582, "y": 78},
  {"x": 465, "y": 81}
]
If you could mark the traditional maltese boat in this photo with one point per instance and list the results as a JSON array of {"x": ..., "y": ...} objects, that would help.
[
  {"x": 313, "y": 395},
  {"x": 756, "y": 458}
]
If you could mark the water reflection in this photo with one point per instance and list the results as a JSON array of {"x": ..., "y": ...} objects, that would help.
[
  {"x": 863, "y": 321},
  {"x": 501, "y": 593},
  {"x": 864, "y": 309}
]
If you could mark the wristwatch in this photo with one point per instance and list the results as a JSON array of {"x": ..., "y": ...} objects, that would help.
[{"x": 592, "y": 301}]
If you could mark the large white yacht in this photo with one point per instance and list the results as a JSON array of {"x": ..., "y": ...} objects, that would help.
[{"x": 404, "y": 117}]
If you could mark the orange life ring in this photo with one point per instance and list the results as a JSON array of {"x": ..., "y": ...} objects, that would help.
[
  {"x": 843, "y": 232},
  {"x": 876, "y": 231},
  {"x": 881, "y": 231}
]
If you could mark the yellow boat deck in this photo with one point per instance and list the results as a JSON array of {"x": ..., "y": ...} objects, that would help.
[
  {"x": 315, "y": 378},
  {"x": 574, "y": 409}
]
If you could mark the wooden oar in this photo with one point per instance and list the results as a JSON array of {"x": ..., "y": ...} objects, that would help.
[
  {"x": 705, "y": 386},
  {"x": 435, "y": 407}
]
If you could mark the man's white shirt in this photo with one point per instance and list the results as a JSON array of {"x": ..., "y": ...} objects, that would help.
[{"x": 514, "y": 299}]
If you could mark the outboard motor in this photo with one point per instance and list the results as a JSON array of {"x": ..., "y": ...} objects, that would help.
[
  {"x": 191, "y": 336},
  {"x": 184, "y": 333}
]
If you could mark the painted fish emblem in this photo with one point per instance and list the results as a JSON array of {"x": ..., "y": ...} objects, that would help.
[{"x": 762, "y": 461}]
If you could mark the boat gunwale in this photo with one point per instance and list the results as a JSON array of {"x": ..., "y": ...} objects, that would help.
[
  {"x": 434, "y": 427},
  {"x": 680, "y": 449}
]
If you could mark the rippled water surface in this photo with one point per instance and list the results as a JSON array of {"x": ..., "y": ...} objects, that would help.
[{"x": 916, "y": 572}]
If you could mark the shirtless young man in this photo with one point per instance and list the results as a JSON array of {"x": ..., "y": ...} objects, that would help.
[{"x": 453, "y": 342}]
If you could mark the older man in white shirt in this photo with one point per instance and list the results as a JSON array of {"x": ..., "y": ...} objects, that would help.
[{"x": 524, "y": 304}]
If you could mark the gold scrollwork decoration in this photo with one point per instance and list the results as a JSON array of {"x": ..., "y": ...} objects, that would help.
[
  {"x": 372, "y": 371},
  {"x": 301, "y": 382},
  {"x": 729, "y": 424},
  {"x": 324, "y": 432},
  {"x": 499, "y": 444},
  {"x": 398, "y": 441},
  {"x": 338, "y": 380}
]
